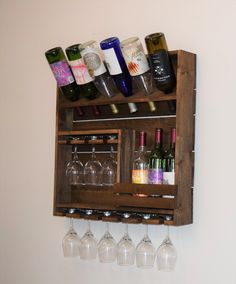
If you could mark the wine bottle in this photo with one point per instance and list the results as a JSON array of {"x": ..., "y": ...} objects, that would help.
[
  {"x": 62, "y": 73},
  {"x": 117, "y": 68},
  {"x": 138, "y": 66},
  {"x": 169, "y": 161},
  {"x": 80, "y": 71},
  {"x": 161, "y": 66},
  {"x": 91, "y": 55},
  {"x": 140, "y": 163},
  {"x": 155, "y": 171}
]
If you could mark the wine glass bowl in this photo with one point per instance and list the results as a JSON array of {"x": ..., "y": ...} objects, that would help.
[
  {"x": 166, "y": 255},
  {"x": 71, "y": 242},
  {"x": 93, "y": 170},
  {"x": 109, "y": 170},
  {"x": 145, "y": 252},
  {"x": 107, "y": 249},
  {"x": 88, "y": 245},
  {"x": 125, "y": 250},
  {"x": 75, "y": 169}
]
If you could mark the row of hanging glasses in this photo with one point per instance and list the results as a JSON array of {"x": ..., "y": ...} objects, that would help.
[
  {"x": 124, "y": 252},
  {"x": 93, "y": 172}
]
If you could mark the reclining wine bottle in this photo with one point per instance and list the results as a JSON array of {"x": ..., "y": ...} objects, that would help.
[
  {"x": 91, "y": 55},
  {"x": 117, "y": 68},
  {"x": 62, "y": 73},
  {"x": 161, "y": 65}
]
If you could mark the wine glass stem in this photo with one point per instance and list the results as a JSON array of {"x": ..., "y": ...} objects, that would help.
[
  {"x": 146, "y": 229},
  {"x": 126, "y": 229},
  {"x": 107, "y": 226}
]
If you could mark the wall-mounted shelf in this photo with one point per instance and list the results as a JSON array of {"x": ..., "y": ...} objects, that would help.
[{"x": 127, "y": 202}]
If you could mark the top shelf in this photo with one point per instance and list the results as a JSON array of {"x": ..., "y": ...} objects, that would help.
[{"x": 119, "y": 99}]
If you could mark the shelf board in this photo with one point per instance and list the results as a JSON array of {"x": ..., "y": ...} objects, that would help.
[{"x": 138, "y": 97}]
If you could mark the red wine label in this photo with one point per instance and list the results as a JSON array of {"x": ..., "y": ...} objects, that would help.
[
  {"x": 136, "y": 61},
  {"x": 112, "y": 61},
  {"x": 93, "y": 61},
  {"x": 155, "y": 176},
  {"x": 161, "y": 67},
  {"x": 169, "y": 178},
  {"x": 140, "y": 176},
  {"x": 80, "y": 72},
  {"x": 62, "y": 73}
]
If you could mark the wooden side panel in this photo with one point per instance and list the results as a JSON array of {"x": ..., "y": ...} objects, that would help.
[{"x": 185, "y": 91}]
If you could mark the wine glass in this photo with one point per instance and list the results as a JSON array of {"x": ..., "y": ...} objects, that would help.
[
  {"x": 93, "y": 170},
  {"x": 109, "y": 169},
  {"x": 71, "y": 242},
  {"x": 145, "y": 252},
  {"x": 75, "y": 169},
  {"x": 125, "y": 250},
  {"x": 166, "y": 254},
  {"x": 88, "y": 245},
  {"x": 107, "y": 249}
]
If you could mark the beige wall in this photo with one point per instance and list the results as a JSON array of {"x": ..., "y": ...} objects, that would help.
[{"x": 30, "y": 237}]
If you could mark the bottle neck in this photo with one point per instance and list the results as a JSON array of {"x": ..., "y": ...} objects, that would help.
[
  {"x": 158, "y": 139},
  {"x": 173, "y": 138}
]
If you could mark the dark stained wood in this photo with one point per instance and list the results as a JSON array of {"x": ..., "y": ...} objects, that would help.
[{"x": 174, "y": 201}]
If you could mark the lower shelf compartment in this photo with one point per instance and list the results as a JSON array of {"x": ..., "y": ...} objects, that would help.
[{"x": 127, "y": 203}]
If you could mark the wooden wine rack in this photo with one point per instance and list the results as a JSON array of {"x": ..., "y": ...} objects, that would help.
[{"x": 127, "y": 202}]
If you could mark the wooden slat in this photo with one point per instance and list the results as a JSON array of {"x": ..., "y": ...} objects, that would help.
[{"x": 148, "y": 189}]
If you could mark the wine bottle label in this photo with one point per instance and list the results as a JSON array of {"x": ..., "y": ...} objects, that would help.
[
  {"x": 155, "y": 176},
  {"x": 161, "y": 67},
  {"x": 136, "y": 61},
  {"x": 169, "y": 178},
  {"x": 140, "y": 176},
  {"x": 112, "y": 62},
  {"x": 80, "y": 72},
  {"x": 93, "y": 61},
  {"x": 62, "y": 73}
]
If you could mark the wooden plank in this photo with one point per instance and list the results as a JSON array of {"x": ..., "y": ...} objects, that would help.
[{"x": 148, "y": 189}]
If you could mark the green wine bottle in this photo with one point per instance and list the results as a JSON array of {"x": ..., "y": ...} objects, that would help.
[
  {"x": 161, "y": 66},
  {"x": 81, "y": 73},
  {"x": 155, "y": 171},
  {"x": 169, "y": 161},
  {"x": 62, "y": 73}
]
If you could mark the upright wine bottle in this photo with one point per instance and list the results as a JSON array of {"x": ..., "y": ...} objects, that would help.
[
  {"x": 91, "y": 55},
  {"x": 117, "y": 68},
  {"x": 160, "y": 62},
  {"x": 80, "y": 71},
  {"x": 140, "y": 163},
  {"x": 138, "y": 66},
  {"x": 62, "y": 73},
  {"x": 155, "y": 171},
  {"x": 169, "y": 161}
]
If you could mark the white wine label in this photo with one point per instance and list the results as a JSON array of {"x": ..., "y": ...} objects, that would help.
[
  {"x": 112, "y": 62},
  {"x": 93, "y": 61},
  {"x": 136, "y": 61},
  {"x": 168, "y": 177},
  {"x": 80, "y": 72}
]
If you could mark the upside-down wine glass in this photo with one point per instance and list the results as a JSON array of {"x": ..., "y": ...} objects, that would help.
[
  {"x": 107, "y": 249},
  {"x": 125, "y": 250},
  {"x": 166, "y": 254},
  {"x": 75, "y": 169},
  {"x": 109, "y": 169},
  {"x": 71, "y": 242},
  {"x": 93, "y": 170},
  {"x": 88, "y": 245},
  {"x": 145, "y": 252}
]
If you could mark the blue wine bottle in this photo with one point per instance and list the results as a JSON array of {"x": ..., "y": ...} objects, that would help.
[{"x": 117, "y": 67}]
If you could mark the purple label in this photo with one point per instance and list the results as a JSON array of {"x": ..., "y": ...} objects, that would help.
[
  {"x": 155, "y": 176},
  {"x": 62, "y": 73}
]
